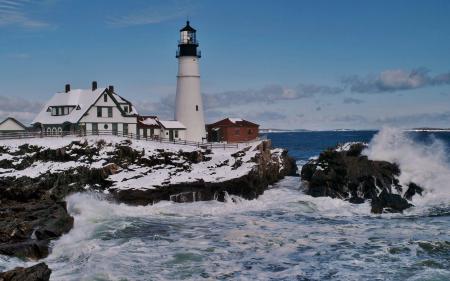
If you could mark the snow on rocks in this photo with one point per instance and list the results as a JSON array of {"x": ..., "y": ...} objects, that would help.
[{"x": 139, "y": 164}]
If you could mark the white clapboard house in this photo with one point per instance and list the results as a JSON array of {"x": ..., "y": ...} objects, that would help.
[{"x": 88, "y": 110}]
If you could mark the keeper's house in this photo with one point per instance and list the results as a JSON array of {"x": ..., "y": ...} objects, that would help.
[
  {"x": 90, "y": 110},
  {"x": 232, "y": 130}
]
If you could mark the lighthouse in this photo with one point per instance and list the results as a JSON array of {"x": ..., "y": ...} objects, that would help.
[{"x": 189, "y": 105}]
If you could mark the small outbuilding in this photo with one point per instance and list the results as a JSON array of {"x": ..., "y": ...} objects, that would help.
[
  {"x": 149, "y": 127},
  {"x": 232, "y": 130},
  {"x": 172, "y": 130},
  {"x": 11, "y": 125}
]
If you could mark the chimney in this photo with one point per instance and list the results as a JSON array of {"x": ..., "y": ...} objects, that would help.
[
  {"x": 111, "y": 88},
  {"x": 94, "y": 85},
  {"x": 67, "y": 88}
]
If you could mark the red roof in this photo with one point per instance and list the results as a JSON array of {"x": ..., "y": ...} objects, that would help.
[{"x": 233, "y": 122}]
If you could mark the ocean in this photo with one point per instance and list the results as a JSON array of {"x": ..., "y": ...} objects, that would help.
[{"x": 282, "y": 235}]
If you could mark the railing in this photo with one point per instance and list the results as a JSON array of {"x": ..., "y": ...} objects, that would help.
[{"x": 156, "y": 138}]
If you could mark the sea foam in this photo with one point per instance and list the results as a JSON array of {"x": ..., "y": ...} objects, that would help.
[{"x": 425, "y": 164}]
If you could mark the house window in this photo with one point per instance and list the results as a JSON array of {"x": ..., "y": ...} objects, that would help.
[
  {"x": 105, "y": 127},
  {"x": 176, "y": 133},
  {"x": 152, "y": 132},
  {"x": 105, "y": 98},
  {"x": 125, "y": 129},
  {"x": 57, "y": 111},
  {"x": 66, "y": 110},
  {"x": 250, "y": 131},
  {"x": 94, "y": 128},
  {"x": 196, "y": 108},
  {"x": 99, "y": 111},
  {"x": 125, "y": 108},
  {"x": 237, "y": 132},
  {"x": 114, "y": 128},
  {"x": 110, "y": 111},
  {"x": 53, "y": 111}
]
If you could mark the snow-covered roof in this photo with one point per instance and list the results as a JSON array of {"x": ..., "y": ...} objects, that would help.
[
  {"x": 234, "y": 120},
  {"x": 172, "y": 124},
  {"x": 81, "y": 99},
  {"x": 151, "y": 121},
  {"x": 11, "y": 119}
]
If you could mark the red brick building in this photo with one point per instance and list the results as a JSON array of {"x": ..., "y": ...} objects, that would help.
[{"x": 232, "y": 130}]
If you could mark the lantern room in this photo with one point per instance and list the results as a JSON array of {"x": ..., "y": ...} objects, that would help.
[{"x": 187, "y": 45}]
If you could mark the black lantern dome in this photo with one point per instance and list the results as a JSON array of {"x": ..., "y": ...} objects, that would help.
[{"x": 187, "y": 45}]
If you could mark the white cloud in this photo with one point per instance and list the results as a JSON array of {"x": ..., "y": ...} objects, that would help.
[
  {"x": 395, "y": 80},
  {"x": 169, "y": 10},
  {"x": 14, "y": 12},
  {"x": 21, "y": 109}
]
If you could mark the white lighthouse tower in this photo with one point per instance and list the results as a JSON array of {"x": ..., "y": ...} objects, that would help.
[{"x": 189, "y": 106}]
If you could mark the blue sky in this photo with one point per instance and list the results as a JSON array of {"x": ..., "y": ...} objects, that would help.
[{"x": 283, "y": 64}]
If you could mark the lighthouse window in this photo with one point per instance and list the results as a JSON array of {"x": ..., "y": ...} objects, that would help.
[{"x": 196, "y": 108}]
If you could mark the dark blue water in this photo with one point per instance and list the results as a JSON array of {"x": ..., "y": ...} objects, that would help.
[{"x": 303, "y": 145}]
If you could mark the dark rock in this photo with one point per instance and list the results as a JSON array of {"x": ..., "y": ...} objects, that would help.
[
  {"x": 38, "y": 272},
  {"x": 27, "y": 227},
  {"x": 413, "y": 189},
  {"x": 389, "y": 202},
  {"x": 356, "y": 200},
  {"x": 351, "y": 176}
]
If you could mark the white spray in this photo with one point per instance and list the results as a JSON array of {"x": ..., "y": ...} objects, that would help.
[{"x": 425, "y": 165}]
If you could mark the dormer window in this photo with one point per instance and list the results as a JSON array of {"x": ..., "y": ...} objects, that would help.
[{"x": 125, "y": 108}]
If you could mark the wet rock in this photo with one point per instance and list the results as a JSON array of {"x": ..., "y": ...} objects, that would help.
[
  {"x": 413, "y": 189},
  {"x": 38, "y": 272},
  {"x": 26, "y": 228},
  {"x": 349, "y": 175},
  {"x": 390, "y": 203}
]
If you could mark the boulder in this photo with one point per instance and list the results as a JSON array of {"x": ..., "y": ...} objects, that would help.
[
  {"x": 38, "y": 272},
  {"x": 27, "y": 227},
  {"x": 388, "y": 202},
  {"x": 345, "y": 173}
]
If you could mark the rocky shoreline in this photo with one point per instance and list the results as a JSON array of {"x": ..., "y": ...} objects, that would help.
[
  {"x": 35, "y": 179},
  {"x": 344, "y": 172}
]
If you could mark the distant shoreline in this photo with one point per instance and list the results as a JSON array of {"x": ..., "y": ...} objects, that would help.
[{"x": 265, "y": 131}]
